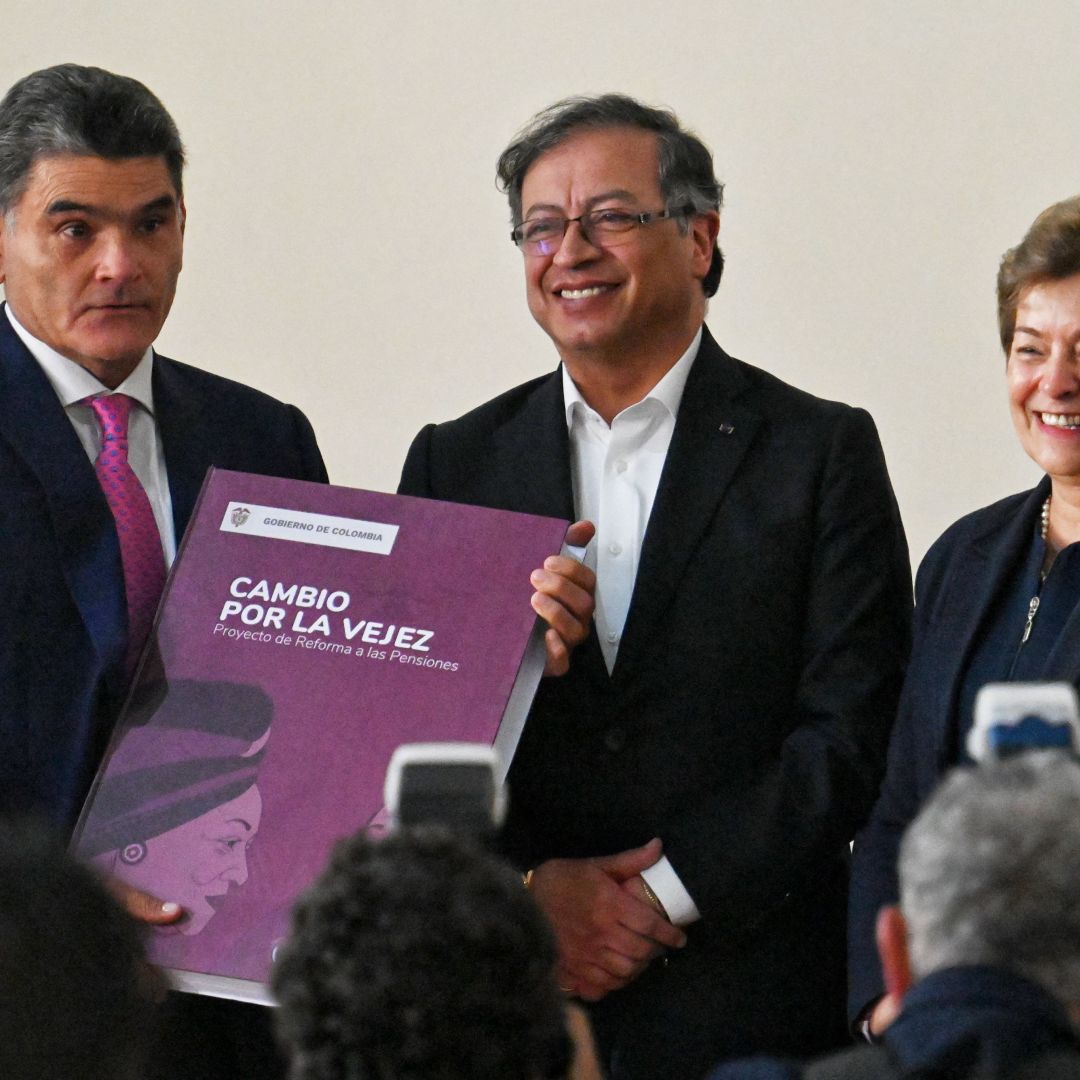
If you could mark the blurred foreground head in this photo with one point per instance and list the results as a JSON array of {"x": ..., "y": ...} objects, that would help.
[
  {"x": 75, "y": 991},
  {"x": 420, "y": 956},
  {"x": 990, "y": 873}
]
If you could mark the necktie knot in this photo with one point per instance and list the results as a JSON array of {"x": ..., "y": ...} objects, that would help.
[{"x": 112, "y": 412}]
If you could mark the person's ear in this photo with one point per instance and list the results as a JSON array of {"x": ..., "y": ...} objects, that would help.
[
  {"x": 704, "y": 228},
  {"x": 892, "y": 943}
]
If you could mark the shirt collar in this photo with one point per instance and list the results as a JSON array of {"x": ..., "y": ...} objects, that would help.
[
  {"x": 668, "y": 391},
  {"x": 72, "y": 382}
]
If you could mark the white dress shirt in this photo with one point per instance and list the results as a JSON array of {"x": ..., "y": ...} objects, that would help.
[
  {"x": 73, "y": 383},
  {"x": 615, "y": 471}
]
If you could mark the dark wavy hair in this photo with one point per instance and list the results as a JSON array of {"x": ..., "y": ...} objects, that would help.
[
  {"x": 420, "y": 957},
  {"x": 686, "y": 165},
  {"x": 71, "y": 109},
  {"x": 76, "y": 995}
]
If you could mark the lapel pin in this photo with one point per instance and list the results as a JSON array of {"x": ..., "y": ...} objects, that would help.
[{"x": 726, "y": 429}]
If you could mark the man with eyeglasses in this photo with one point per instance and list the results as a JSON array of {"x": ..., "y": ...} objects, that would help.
[{"x": 681, "y": 802}]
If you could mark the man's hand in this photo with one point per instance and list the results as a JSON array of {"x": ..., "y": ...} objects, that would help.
[
  {"x": 143, "y": 906},
  {"x": 635, "y": 886},
  {"x": 606, "y": 936},
  {"x": 564, "y": 599},
  {"x": 146, "y": 909}
]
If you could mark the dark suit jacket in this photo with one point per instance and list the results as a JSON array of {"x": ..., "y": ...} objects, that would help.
[
  {"x": 973, "y": 1022},
  {"x": 956, "y": 588},
  {"x": 61, "y": 583},
  {"x": 746, "y": 719}
]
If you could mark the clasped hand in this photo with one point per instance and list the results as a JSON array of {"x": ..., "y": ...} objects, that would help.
[{"x": 606, "y": 929}]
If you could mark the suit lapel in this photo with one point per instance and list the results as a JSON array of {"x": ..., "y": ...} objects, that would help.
[
  {"x": 981, "y": 570},
  {"x": 34, "y": 423},
  {"x": 187, "y": 455},
  {"x": 712, "y": 433},
  {"x": 531, "y": 472}
]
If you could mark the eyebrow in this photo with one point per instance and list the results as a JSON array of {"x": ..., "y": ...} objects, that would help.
[
  {"x": 246, "y": 824},
  {"x": 70, "y": 206},
  {"x": 1027, "y": 330},
  {"x": 617, "y": 193}
]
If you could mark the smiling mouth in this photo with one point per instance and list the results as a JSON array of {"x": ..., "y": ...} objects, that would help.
[
  {"x": 1066, "y": 421},
  {"x": 582, "y": 294}
]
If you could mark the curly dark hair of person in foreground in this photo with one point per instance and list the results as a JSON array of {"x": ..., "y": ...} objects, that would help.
[
  {"x": 420, "y": 956},
  {"x": 77, "y": 998}
]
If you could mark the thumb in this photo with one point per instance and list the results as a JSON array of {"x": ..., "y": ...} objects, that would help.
[
  {"x": 627, "y": 864},
  {"x": 144, "y": 907},
  {"x": 580, "y": 533}
]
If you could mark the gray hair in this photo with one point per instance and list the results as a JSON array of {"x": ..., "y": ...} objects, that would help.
[
  {"x": 990, "y": 872},
  {"x": 70, "y": 109},
  {"x": 687, "y": 179}
]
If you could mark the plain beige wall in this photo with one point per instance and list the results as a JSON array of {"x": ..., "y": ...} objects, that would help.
[{"x": 347, "y": 249}]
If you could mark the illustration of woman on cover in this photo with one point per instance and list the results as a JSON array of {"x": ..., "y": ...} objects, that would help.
[{"x": 179, "y": 804}]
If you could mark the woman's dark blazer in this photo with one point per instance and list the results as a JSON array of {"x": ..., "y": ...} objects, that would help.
[{"x": 955, "y": 591}]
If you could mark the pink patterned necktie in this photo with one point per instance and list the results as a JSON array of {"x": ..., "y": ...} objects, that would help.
[{"x": 140, "y": 541}]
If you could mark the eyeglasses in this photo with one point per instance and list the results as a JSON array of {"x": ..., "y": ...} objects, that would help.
[{"x": 602, "y": 228}]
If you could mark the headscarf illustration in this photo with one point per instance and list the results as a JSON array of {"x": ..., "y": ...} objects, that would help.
[{"x": 180, "y": 804}]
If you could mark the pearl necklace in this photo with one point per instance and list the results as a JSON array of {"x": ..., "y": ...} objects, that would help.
[
  {"x": 1044, "y": 531},
  {"x": 1048, "y": 558}
]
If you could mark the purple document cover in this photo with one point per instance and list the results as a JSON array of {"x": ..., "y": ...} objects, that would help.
[{"x": 305, "y": 633}]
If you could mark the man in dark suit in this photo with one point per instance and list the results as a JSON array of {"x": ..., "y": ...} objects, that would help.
[
  {"x": 91, "y": 238},
  {"x": 91, "y": 242},
  {"x": 721, "y": 734}
]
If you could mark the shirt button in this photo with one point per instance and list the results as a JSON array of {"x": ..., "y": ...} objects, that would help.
[
  {"x": 620, "y": 466},
  {"x": 615, "y": 548},
  {"x": 612, "y": 637}
]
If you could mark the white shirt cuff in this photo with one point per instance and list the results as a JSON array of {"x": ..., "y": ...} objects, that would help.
[{"x": 670, "y": 891}]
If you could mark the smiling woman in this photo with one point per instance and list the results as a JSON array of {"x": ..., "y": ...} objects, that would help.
[
  {"x": 998, "y": 596},
  {"x": 1044, "y": 392},
  {"x": 179, "y": 805}
]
